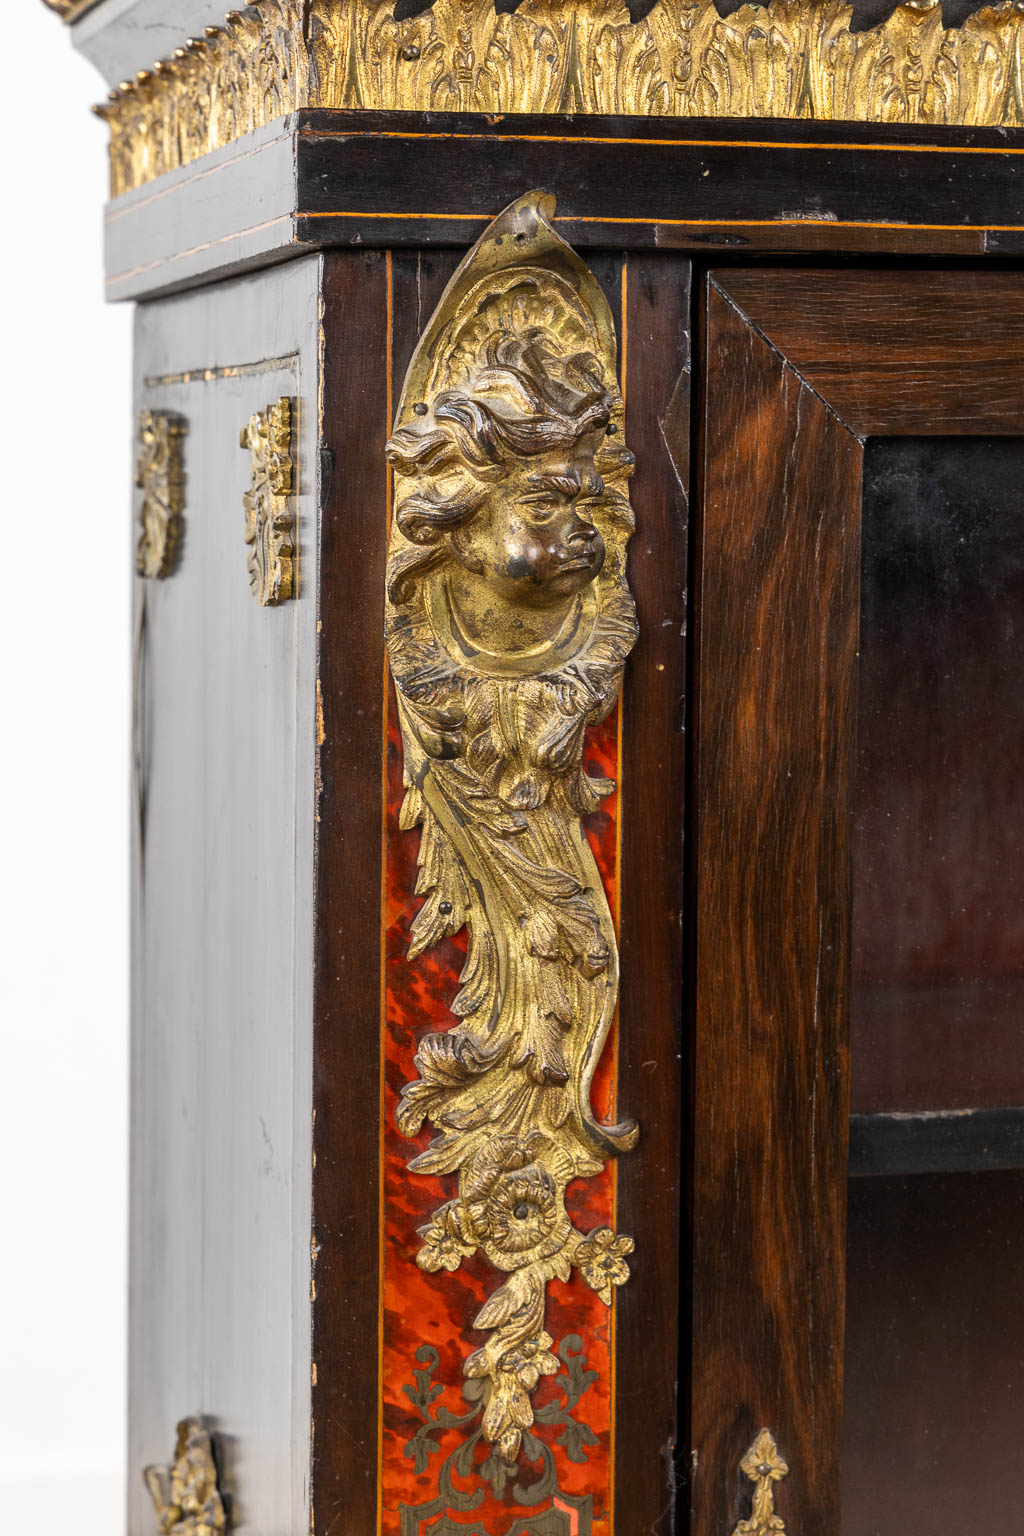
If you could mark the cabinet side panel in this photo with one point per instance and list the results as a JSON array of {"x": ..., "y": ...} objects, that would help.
[{"x": 223, "y": 901}]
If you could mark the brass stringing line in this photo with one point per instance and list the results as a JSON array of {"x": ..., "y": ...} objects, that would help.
[
  {"x": 288, "y": 364},
  {"x": 593, "y": 138},
  {"x": 795, "y": 59}
]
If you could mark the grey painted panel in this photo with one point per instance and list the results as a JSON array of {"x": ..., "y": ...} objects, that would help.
[
  {"x": 220, "y": 1313},
  {"x": 192, "y": 223}
]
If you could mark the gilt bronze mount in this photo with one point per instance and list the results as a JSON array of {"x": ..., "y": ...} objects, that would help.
[
  {"x": 160, "y": 476},
  {"x": 680, "y": 58},
  {"x": 186, "y": 1495},
  {"x": 508, "y": 622},
  {"x": 764, "y": 1467},
  {"x": 269, "y": 503}
]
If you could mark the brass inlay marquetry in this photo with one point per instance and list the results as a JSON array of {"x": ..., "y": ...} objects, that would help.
[
  {"x": 160, "y": 475},
  {"x": 508, "y": 622},
  {"x": 269, "y": 503},
  {"x": 186, "y": 1495},
  {"x": 764, "y": 1467},
  {"x": 789, "y": 59}
]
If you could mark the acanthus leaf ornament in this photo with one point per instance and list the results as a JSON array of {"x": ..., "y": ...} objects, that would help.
[
  {"x": 764, "y": 1467},
  {"x": 269, "y": 510},
  {"x": 186, "y": 1495},
  {"x": 509, "y": 621},
  {"x": 160, "y": 476}
]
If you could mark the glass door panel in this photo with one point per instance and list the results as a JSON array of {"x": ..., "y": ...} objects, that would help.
[{"x": 934, "y": 1406}]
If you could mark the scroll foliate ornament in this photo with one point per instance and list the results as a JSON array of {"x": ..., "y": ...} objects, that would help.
[
  {"x": 764, "y": 1467},
  {"x": 186, "y": 1495},
  {"x": 160, "y": 475},
  {"x": 509, "y": 622},
  {"x": 269, "y": 511}
]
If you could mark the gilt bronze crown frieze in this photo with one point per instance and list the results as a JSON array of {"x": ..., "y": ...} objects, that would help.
[
  {"x": 788, "y": 59},
  {"x": 508, "y": 623}
]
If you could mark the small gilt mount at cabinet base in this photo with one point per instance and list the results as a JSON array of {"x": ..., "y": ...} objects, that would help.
[
  {"x": 186, "y": 1495},
  {"x": 764, "y": 1467},
  {"x": 269, "y": 503}
]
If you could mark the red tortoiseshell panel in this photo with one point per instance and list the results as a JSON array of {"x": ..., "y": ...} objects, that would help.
[{"x": 426, "y": 1319}]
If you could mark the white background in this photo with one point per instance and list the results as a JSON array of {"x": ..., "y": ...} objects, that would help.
[{"x": 64, "y": 754}]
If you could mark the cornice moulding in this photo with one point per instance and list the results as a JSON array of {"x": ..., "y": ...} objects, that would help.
[{"x": 789, "y": 59}]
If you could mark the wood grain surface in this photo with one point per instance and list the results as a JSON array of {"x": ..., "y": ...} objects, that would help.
[
  {"x": 347, "y": 1084},
  {"x": 654, "y": 344},
  {"x": 776, "y": 636},
  {"x": 895, "y": 353},
  {"x": 799, "y": 367}
]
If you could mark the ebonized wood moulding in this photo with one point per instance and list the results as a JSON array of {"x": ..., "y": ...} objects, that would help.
[
  {"x": 675, "y": 58},
  {"x": 322, "y": 178}
]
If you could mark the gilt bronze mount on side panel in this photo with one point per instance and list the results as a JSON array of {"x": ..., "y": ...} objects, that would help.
[
  {"x": 186, "y": 1495},
  {"x": 160, "y": 476},
  {"x": 269, "y": 503}
]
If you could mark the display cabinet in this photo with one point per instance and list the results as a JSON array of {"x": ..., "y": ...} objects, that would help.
[{"x": 578, "y": 1047}]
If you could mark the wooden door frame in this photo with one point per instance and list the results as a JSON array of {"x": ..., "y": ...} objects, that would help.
[{"x": 799, "y": 368}]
